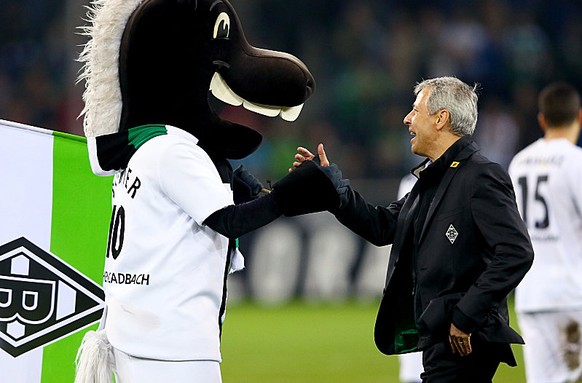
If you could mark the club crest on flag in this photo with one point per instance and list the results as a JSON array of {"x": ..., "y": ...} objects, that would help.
[
  {"x": 42, "y": 299},
  {"x": 452, "y": 234}
]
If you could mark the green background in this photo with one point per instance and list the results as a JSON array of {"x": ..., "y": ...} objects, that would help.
[{"x": 309, "y": 343}]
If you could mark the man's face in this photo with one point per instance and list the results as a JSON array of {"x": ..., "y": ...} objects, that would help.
[{"x": 422, "y": 126}]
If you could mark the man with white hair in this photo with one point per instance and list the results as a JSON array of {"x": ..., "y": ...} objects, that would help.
[{"x": 459, "y": 246}]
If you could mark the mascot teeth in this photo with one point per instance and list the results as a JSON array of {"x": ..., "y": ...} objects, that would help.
[
  {"x": 222, "y": 91},
  {"x": 291, "y": 114},
  {"x": 265, "y": 110}
]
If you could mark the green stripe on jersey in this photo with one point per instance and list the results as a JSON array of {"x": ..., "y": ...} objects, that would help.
[{"x": 141, "y": 134}]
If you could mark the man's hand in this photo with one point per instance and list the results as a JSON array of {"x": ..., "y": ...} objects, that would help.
[
  {"x": 460, "y": 341},
  {"x": 305, "y": 155}
]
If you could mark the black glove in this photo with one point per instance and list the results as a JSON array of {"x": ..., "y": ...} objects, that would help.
[
  {"x": 309, "y": 188},
  {"x": 341, "y": 184},
  {"x": 245, "y": 187},
  {"x": 335, "y": 175}
]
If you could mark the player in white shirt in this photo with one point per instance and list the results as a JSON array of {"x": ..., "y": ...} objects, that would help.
[{"x": 547, "y": 177}]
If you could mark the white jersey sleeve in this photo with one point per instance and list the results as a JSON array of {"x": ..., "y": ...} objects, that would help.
[{"x": 189, "y": 178}]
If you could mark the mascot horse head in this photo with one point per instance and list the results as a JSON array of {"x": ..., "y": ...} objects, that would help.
[{"x": 153, "y": 62}]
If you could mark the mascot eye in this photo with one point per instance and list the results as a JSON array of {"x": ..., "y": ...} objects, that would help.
[{"x": 222, "y": 26}]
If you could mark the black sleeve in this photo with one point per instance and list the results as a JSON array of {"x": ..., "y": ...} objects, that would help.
[
  {"x": 236, "y": 220},
  {"x": 376, "y": 224}
]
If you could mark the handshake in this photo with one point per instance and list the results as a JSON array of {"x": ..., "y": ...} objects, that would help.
[{"x": 312, "y": 185}]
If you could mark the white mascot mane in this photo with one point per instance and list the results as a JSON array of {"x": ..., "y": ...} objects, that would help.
[{"x": 100, "y": 58}]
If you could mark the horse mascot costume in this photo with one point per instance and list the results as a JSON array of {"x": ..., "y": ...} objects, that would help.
[{"x": 177, "y": 205}]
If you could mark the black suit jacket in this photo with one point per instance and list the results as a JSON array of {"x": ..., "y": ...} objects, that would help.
[{"x": 473, "y": 250}]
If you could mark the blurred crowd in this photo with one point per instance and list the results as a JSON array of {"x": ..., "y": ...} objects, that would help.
[
  {"x": 366, "y": 56},
  {"x": 36, "y": 84}
]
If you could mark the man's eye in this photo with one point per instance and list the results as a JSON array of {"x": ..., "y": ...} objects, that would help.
[{"x": 221, "y": 26}]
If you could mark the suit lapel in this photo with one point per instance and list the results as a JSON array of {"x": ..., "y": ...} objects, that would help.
[
  {"x": 408, "y": 212},
  {"x": 454, "y": 166},
  {"x": 444, "y": 184},
  {"x": 405, "y": 219}
]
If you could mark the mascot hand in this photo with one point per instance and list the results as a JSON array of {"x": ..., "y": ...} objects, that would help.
[
  {"x": 245, "y": 186},
  {"x": 340, "y": 184},
  {"x": 309, "y": 188},
  {"x": 335, "y": 176}
]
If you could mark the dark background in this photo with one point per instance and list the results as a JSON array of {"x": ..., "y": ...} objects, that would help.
[{"x": 366, "y": 57}]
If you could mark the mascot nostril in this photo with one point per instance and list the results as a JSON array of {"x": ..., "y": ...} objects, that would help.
[{"x": 178, "y": 207}]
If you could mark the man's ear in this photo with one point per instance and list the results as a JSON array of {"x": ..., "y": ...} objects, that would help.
[
  {"x": 542, "y": 121},
  {"x": 443, "y": 117}
]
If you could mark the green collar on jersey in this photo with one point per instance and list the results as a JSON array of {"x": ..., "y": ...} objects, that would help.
[{"x": 139, "y": 135}]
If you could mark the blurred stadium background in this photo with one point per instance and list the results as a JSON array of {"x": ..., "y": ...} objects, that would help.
[
  {"x": 308, "y": 295},
  {"x": 365, "y": 55}
]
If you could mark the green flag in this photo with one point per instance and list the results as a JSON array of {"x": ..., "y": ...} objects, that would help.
[{"x": 54, "y": 217}]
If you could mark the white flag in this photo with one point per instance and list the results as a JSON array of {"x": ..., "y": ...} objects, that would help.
[{"x": 54, "y": 218}]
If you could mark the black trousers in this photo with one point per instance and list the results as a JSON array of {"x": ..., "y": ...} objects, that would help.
[{"x": 442, "y": 366}]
